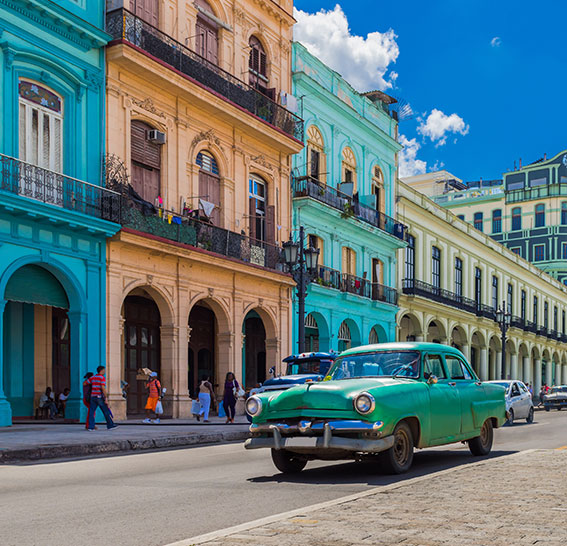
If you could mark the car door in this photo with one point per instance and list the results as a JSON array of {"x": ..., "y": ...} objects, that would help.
[
  {"x": 471, "y": 393},
  {"x": 516, "y": 400},
  {"x": 444, "y": 402}
]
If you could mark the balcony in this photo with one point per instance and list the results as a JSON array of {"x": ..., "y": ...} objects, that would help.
[
  {"x": 306, "y": 186},
  {"x": 125, "y": 27},
  {"x": 37, "y": 184},
  {"x": 356, "y": 285},
  {"x": 413, "y": 287},
  {"x": 143, "y": 217},
  {"x": 539, "y": 192}
]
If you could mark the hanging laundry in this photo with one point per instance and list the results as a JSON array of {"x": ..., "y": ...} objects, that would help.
[{"x": 206, "y": 207}]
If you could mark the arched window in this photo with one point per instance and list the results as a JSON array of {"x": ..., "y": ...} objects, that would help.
[
  {"x": 258, "y": 67},
  {"x": 373, "y": 338},
  {"x": 349, "y": 261},
  {"x": 348, "y": 172},
  {"x": 316, "y": 242},
  {"x": 345, "y": 338},
  {"x": 206, "y": 32},
  {"x": 40, "y": 126},
  {"x": 316, "y": 158},
  {"x": 516, "y": 218},
  {"x": 497, "y": 221},
  {"x": 146, "y": 162},
  {"x": 540, "y": 215},
  {"x": 209, "y": 187},
  {"x": 262, "y": 216},
  {"x": 378, "y": 189}
]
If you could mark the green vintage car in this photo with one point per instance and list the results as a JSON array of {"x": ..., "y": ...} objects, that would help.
[{"x": 379, "y": 400}]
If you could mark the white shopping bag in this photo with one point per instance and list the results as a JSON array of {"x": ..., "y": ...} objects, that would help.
[
  {"x": 195, "y": 407},
  {"x": 159, "y": 408}
]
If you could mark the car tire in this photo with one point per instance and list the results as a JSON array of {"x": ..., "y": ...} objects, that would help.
[
  {"x": 288, "y": 463},
  {"x": 399, "y": 458},
  {"x": 547, "y": 409},
  {"x": 530, "y": 417},
  {"x": 481, "y": 445},
  {"x": 510, "y": 420}
]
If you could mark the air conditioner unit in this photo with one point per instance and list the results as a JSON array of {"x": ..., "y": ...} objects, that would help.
[{"x": 156, "y": 136}]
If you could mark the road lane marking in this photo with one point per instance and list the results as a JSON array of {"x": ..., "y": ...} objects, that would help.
[{"x": 299, "y": 512}]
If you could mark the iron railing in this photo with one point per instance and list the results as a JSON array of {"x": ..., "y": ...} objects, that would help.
[
  {"x": 413, "y": 287},
  {"x": 38, "y": 184},
  {"x": 538, "y": 192},
  {"x": 356, "y": 285},
  {"x": 143, "y": 217},
  {"x": 306, "y": 186},
  {"x": 125, "y": 26}
]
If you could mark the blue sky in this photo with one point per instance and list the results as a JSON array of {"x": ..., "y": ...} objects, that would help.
[{"x": 493, "y": 73}]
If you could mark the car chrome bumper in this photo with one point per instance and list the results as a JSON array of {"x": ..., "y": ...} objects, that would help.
[{"x": 306, "y": 441}]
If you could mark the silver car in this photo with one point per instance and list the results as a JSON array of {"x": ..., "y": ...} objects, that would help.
[{"x": 519, "y": 404}]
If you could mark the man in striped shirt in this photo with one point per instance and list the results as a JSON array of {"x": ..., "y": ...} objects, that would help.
[{"x": 99, "y": 399}]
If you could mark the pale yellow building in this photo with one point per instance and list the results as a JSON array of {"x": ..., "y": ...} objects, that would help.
[
  {"x": 195, "y": 107},
  {"x": 453, "y": 278}
]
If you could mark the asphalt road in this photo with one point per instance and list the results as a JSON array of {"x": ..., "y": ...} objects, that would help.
[{"x": 157, "y": 498}]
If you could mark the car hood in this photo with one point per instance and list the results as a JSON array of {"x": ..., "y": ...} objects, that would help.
[{"x": 328, "y": 395}]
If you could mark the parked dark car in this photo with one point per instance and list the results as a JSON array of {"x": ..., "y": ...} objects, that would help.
[{"x": 556, "y": 399}]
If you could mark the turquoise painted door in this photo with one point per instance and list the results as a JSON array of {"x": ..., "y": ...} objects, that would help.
[
  {"x": 444, "y": 403},
  {"x": 471, "y": 393}
]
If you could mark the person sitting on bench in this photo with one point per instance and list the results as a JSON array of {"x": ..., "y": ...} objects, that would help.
[{"x": 47, "y": 401}]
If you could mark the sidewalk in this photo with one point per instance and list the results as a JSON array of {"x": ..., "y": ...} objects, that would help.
[
  {"x": 34, "y": 442},
  {"x": 516, "y": 499}
]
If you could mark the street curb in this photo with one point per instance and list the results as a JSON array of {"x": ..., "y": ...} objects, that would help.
[
  {"x": 209, "y": 537},
  {"x": 118, "y": 446}
]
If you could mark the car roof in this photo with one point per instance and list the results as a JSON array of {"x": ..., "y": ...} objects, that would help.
[
  {"x": 404, "y": 346},
  {"x": 310, "y": 356}
]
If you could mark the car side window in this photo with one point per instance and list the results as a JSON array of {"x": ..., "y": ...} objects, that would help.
[
  {"x": 523, "y": 387},
  {"x": 515, "y": 389},
  {"x": 433, "y": 366},
  {"x": 457, "y": 368}
]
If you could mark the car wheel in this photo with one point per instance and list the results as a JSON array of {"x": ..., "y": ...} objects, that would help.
[
  {"x": 530, "y": 417},
  {"x": 510, "y": 420},
  {"x": 547, "y": 409},
  {"x": 481, "y": 445},
  {"x": 399, "y": 458},
  {"x": 288, "y": 463}
]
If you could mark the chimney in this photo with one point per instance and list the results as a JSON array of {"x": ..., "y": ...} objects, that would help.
[
  {"x": 545, "y": 156},
  {"x": 515, "y": 164},
  {"x": 520, "y": 162}
]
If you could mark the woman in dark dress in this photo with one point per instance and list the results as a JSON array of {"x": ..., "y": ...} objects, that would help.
[{"x": 231, "y": 387}]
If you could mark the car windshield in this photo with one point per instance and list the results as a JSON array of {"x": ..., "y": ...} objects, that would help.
[
  {"x": 555, "y": 390},
  {"x": 379, "y": 364},
  {"x": 308, "y": 367}
]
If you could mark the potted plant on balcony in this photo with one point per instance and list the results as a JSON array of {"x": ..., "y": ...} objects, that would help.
[{"x": 348, "y": 210}]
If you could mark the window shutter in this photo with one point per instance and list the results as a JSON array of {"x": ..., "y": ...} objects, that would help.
[
  {"x": 138, "y": 141},
  {"x": 271, "y": 224},
  {"x": 262, "y": 69},
  {"x": 252, "y": 213},
  {"x": 345, "y": 260},
  {"x": 314, "y": 164},
  {"x": 22, "y": 123},
  {"x": 57, "y": 147}
]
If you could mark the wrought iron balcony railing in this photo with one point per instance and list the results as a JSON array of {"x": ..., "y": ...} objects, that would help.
[
  {"x": 125, "y": 26},
  {"x": 538, "y": 192},
  {"x": 143, "y": 217},
  {"x": 306, "y": 186},
  {"x": 413, "y": 287},
  {"x": 356, "y": 285},
  {"x": 59, "y": 190}
]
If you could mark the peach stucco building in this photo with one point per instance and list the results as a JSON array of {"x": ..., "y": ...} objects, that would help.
[{"x": 200, "y": 147}]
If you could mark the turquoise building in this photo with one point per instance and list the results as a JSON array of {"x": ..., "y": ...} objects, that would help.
[
  {"x": 343, "y": 188},
  {"x": 54, "y": 215}
]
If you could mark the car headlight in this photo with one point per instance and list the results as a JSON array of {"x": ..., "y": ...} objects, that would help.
[
  {"x": 253, "y": 406},
  {"x": 364, "y": 403}
]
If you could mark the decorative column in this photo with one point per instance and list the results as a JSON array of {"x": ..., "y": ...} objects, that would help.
[
  {"x": 225, "y": 357},
  {"x": 497, "y": 364},
  {"x": 526, "y": 373},
  {"x": 169, "y": 377},
  {"x": 466, "y": 350},
  {"x": 483, "y": 364},
  {"x": 537, "y": 376},
  {"x": 272, "y": 354},
  {"x": 513, "y": 366},
  {"x": 5, "y": 408}
]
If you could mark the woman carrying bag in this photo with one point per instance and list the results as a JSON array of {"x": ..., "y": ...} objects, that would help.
[{"x": 232, "y": 390}]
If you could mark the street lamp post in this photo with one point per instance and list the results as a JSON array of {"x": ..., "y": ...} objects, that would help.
[
  {"x": 503, "y": 318},
  {"x": 302, "y": 264}
]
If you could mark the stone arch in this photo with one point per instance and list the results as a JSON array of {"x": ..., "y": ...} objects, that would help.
[
  {"x": 261, "y": 345},
  {"x": 221, "y": 311},
  {"x": 161, "y": 298},
  {"x": 215, "y": 149},
  {"x": 459, "y": 338},
  {"x": 324, "y": 337},
  {"x": 354, "y": 331},
  {"x": 436, "y": 331},
  {"x": 377, "y": 335},
  {"x": 478, "y": 339},
  {"x": 268, "y": 318},
  {"x": 410, "y": 327}
]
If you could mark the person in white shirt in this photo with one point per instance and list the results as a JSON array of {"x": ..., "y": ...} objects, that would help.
[
  {"x": 63, "y": 401},
  {"x": 47, "y": 400}
]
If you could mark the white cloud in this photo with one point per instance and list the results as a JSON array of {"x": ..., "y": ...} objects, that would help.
[
  {"x": 438, "y": 125},
  {"x": 496, "y": 41},
  {"x": 408, "y": 162},
  {"x": 363, "y": 62}
]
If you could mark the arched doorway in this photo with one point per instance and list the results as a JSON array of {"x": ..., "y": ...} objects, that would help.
[
  {"x": 410, "y": 328},
  {"x": 377, "y": 335},
  {"x": 349, "y": 335},
  {"x": 142, "y": 347},
  {"x": 254, "y": 350},
  {"x": 36, "y": 339},
  {"x": 436, "y": 332},
  {"x": 203, "y": 325},
  {"x": 311, "y": 334}
]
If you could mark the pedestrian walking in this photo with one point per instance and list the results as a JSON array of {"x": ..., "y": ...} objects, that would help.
[
  {"x": 231, "y": 393},
  {"x": 87, "y": 387},
  {"x": 99, "y": 399},
  {"x": 153, "y": 386},
  {"x": 206, "y": 396}
]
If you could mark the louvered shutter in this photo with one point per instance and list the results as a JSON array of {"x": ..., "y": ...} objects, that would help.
[
  {"x": 271, "y": 224},
  {"x": 201, "y": 38},
  {"x": 252, "y": 213},
  {"x": 262, "y": 64},
  {"x": 212, "y": 46},
  {"x": 138, "y": 141},
  {"x": 148, "y": 10}
]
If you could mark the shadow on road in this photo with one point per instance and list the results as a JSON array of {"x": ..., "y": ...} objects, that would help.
[{"x": 370, "y": 473}]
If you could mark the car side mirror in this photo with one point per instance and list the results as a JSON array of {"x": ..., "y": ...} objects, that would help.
[{"x": 432, "y": 379}]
